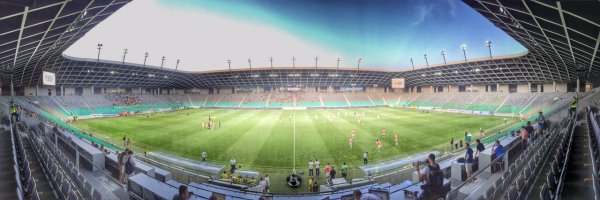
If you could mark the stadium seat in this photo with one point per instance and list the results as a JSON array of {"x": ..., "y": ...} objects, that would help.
[
  {"x": 72, "y": 196},
  {"x": 96, "y": 195},
  {"x": 544, "y": 193},
  {"x": 88, "y": 189},
  {"x": 65, "y": 188},
  {"x": 498, "y": 182},
  {"x": 512, "y": 194},
  {"x": 490, "y": 192}
]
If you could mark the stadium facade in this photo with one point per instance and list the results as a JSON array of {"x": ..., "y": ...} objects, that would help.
[{"x": 562, "y": 39}]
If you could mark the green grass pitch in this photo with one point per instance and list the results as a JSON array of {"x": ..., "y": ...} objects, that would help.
[{"x": 264, "y": 138}]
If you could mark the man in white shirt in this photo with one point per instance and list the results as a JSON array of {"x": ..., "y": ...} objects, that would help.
[
  {"x": 317, "y": 167},
  {"x": 204, "y": 156},
  {"x": 268, "y": 182},
  {"x": 310, "y": 168},
  {"x": 232, "y": 163},
  {"x": 365, "y": 160}
]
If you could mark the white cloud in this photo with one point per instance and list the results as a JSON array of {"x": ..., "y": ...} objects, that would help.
[{"x": 201, "y": 40}]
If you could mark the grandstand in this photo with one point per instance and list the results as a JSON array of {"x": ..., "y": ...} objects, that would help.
[{"x": 46, "y": 154}]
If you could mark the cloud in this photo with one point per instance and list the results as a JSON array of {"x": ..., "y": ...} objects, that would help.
[
  {"x": 452, "y": 9},
  {"x": 423, "y": 12}
]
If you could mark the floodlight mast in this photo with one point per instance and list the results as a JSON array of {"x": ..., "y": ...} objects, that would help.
[
  {"x": 463, "y": 48},
  {"x": 99, "y": 48},
  {"x": 338, "y": 63},
  {"x": 162, "y": 62},
  {"x": 145, "y": 57},
  {"x": 358, "y": 63},
  {"x": 316, "y": 61},
  {"x": 229, "y": 64},
  {"x": 444, "y": 56},
  {"x": 294, "y": 62},
  {"x": 124, "y": 54},
  {"x": 426, "y": 62},
  {"x": 250, "y": 63},
  {"x": 488, "y": 44},
  {"x": 412, "y": 63},
  {"x": 271, "y": 59},
  {"x": 177, "y": 65}
]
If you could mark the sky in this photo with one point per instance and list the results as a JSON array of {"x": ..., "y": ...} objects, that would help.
[{"x": 203, "y": 35}]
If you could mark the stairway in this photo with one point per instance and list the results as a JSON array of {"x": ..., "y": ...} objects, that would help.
[
  {"x": 8, "y": 184},
  {"x": 44, "y": 189},
  {"x": 579, "y": 168}
]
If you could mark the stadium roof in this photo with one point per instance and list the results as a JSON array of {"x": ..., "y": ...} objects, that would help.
[{"x": 562, "y": 39}]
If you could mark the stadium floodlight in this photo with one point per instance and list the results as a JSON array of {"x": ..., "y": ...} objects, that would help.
[
  {"x": 463, "y": 48},
  {"x": 426, "y": 62},
  {"x": 488, "y": 44},
  {"x": 294, "y": 62},
  {"x": 145, "y": 57},
  {"x": 99, "y": 48},
  {"x": 177, "y": 65},
  {"x": 250, "y": 63},
  {"x": 412, "y": 63},
  {"x": 271, "y": 59},
  {"x": 444, "y": 56},
  {"x": 162, "y": 62},
  {"x": 229, "y": 64},
  {"x": 338, "y": 63},
  {"x": 316, "y": 61},
  {"x": 358, "y": 63},
  {"x": 124, "y": 54}
]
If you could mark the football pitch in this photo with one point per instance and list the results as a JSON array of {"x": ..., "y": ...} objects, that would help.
[{"x": 265, "y": 138}]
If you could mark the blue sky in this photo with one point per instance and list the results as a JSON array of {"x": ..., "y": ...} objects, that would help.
[{"x": 205, "y": 34}]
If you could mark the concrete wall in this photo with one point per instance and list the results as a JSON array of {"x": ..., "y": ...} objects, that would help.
[
  {"x": 376, "y": 90},
  {"x": 87, "y": 91},
  {"x": 69, "y": 91},
  {"x": 224, "y": 90},
  {"x": 523, "y": 88},
  {"x": 453, "y": 88},
  {"x": 426, "y": 89}
]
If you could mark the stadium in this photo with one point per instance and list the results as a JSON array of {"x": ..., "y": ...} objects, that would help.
[{"x": 157, "y": 99}]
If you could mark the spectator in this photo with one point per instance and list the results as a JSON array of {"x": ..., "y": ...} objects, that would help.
[
  {"x": 183, "y": 194},
  {"x": 327, "y": 170},
  {"x": 432, "y": 177},
  {"x": 461, "y": 144},
  {"x": 232, "y": 163},
  {"x": 317, "y": 167},
  {"x": 332, "y": 172},
  {"x": 129, "y": 162},
  {"x": 480, "y": 147},
  {"x": 262, "y": 184},
  {"x": 530, "y": 130},
  {"x": 316, "y": 186},
  {"x": 524, "y": 138},
  {"x": 204, "y": 156},
  {"x": 310, "y": 168},
  {"x": 365, "y": 160},
  {"x": 224, "y": 175},
  {"x": 268, "y": 182},
  {"x": 541, "y": 120},
  {"x": 121, "y": 165},
  {"x": 469, "y": 160},
  {"x": 498, "y": 150},
  {"x": 310, "y": 184},
  {"x": 358, "y": 195},
  {"x": 344, "y": 170}
]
